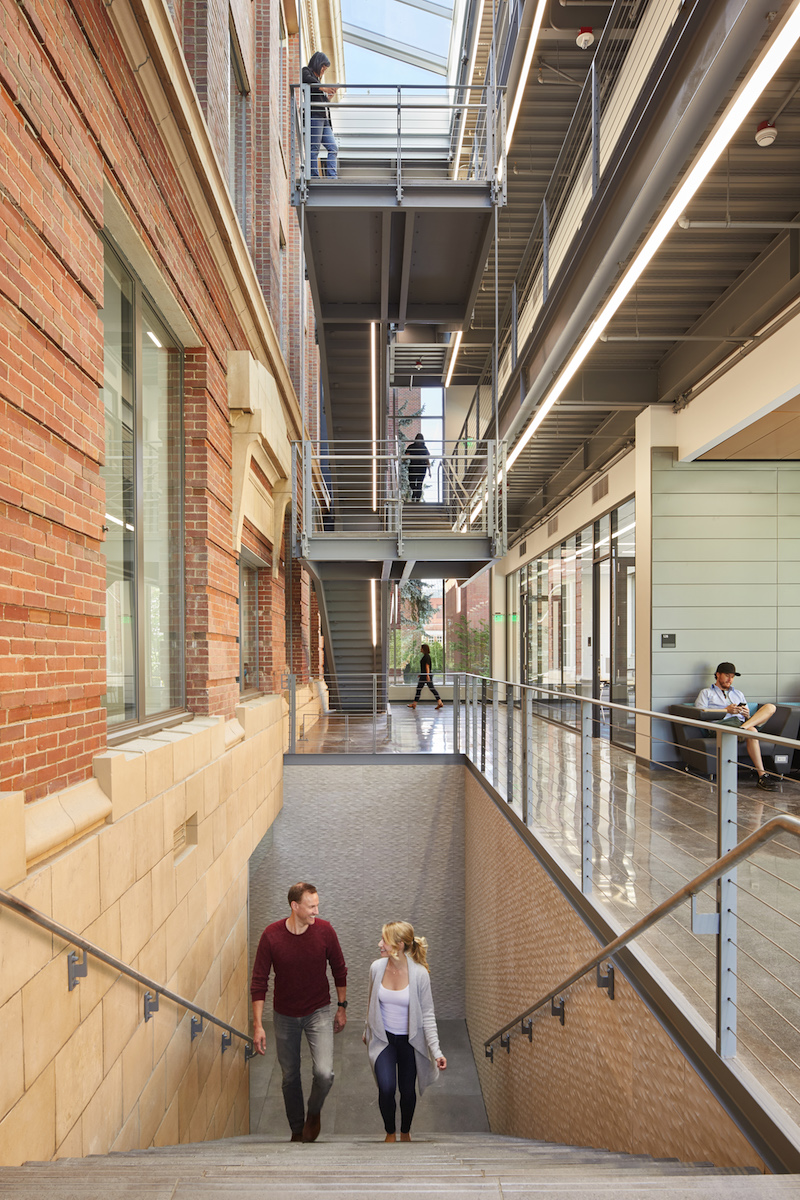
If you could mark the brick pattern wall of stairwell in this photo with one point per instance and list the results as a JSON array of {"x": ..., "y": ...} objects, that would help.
[{"x": 610, "y": 1077}]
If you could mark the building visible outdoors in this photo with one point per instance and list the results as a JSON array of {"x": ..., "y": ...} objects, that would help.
[{"x": 562, "y": 246}]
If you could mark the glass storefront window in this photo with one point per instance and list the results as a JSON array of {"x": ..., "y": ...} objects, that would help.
[
  {"x": 143, "y": 474},
  {"x": 577, "y": 618}
]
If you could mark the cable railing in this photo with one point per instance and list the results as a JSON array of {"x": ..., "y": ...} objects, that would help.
[
  {"x": 360, "y": 489},
  {"x": 385, "y": 134},
  {"x": 632, "y": 830},
  {"x": 77, "y": 969},
  {"x": 721, "y": 867}
]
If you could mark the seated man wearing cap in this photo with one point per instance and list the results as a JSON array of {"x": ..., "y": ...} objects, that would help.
[{"x": 728, "y": 698}]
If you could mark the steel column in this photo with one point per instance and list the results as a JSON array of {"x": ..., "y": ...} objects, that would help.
[
  {"x": 595, "y": 94},
  {"x": 727, "y": 830},
  {"x": 586, "y": 797}
]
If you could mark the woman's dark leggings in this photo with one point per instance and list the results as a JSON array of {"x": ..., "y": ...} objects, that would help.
[
  {"x": 397, "y": 1065},
  {"x": 422, "y": 682}
]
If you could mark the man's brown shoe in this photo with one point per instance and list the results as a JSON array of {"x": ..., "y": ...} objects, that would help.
[
  {"x": 297, "y": 1135},
  {"x": 311, "y": 1127}
]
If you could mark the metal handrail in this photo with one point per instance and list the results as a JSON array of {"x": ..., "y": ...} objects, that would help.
[
  {"x": 574, "y": 698},
  {"x": 22, "y": 909},
  {"x": 771, "y": 829}
]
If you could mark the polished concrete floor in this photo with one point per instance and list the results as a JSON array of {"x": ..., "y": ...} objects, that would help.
[
  {"x": 654, "y": 827},
  {"x": 452, "y": 1105}
]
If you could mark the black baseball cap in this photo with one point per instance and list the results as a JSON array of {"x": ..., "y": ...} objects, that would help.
[{"x": 727, "y": 668}]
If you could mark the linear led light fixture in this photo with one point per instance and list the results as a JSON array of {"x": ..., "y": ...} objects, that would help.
[
  {"x": 747, "y": 95},
  {"x": 453, "y": 357},
  {"x": 373, "y": 361},
  {"x": 463, "y": 129},
  {"x": 523, "y": 81},
  {"x": 374, "y": 609}
]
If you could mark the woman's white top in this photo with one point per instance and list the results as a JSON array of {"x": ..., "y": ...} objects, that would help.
[
  {"x": 394, "y": 1009},
  {"x": 422, "y": 1032}
]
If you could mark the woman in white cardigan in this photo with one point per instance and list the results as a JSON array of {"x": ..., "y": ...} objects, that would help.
[{"x": 400, "y": 1032}]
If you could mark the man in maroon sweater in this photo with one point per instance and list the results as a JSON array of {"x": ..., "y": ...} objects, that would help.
[{"x": 299, "y": 950}]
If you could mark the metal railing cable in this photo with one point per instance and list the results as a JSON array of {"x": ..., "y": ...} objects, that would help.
[
  {"x": 76, "y": 970},
  {"x": 722, "y": 866}
]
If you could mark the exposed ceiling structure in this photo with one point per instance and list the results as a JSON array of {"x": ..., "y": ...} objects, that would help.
[{"x": 709, "y": 290}]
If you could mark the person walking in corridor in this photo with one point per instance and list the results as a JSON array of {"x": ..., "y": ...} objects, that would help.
[
  {"x": 400, "y": 1031},
  {"x": 299, "y": 950},
  {"x": 419, "y": 465},
  {"x": 425, "y": 677}
]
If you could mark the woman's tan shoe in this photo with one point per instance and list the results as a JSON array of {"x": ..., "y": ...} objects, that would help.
[
  {"x": 405, "y": 1137},
  {"x": 391, "y": 1137}
]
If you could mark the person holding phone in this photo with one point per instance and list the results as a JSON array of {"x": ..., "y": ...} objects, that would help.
[{"x": 723, "y": 695}]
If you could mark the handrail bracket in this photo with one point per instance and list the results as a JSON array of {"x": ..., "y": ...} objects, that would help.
[{"x": 76, "y": 970}]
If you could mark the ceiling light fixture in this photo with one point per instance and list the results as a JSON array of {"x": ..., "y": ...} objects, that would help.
[
  {"x": 470, "y": 73},
  {"x": 748, "y": 93},
  {"x": 453, "y": 357},
  {"x": 523, "y": 79}
]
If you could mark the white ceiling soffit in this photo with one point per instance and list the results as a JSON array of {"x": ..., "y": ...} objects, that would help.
[{"x": 387, "y": 46}]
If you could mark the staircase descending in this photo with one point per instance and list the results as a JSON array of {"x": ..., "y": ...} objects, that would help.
[{"x": 437, "y": 1167}]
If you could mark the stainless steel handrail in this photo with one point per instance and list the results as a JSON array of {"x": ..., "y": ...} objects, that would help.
[
  {"x": 39, "y": 918},
  {"x": 574, "y": 698},
  {"x": 771, "y": 829}
]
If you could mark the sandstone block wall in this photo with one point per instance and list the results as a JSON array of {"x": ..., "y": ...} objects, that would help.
[{"x": 150, "y": 861}]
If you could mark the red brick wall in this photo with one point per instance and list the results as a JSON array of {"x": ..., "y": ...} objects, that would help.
[{"x": 71, "y": 119}]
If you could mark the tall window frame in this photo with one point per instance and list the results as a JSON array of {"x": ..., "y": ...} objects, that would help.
[
  {"x": 251, "y": 569},
  {"x": 143, "y": 472},
  {"x": 238, "y": 125}
]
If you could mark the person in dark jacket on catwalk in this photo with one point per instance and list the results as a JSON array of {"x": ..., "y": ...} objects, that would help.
[
  {"x": 425, "y": 678},
  {"x": 321, "y": 126}
]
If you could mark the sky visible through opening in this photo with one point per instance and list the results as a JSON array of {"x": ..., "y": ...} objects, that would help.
[{"x": 402, "y": 23}]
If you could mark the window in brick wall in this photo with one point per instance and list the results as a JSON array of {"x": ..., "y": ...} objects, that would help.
[
  {"x": 249, "y": 643},
  {"x": 238, "y": 92},
  {"x": 283, "y": 298},
  {"x": 143, "y": 473}
]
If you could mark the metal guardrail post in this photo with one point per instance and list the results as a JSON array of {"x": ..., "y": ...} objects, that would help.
[
  {"x": 495, "y": 727},
  {"x": 306, "y": 93},
  {"x": 456, "y": 712},
  {"x": 727, "y": 832},
  {"x": 595, "y": 95},
  {"x": 307, "y": 526},
  {"x": 491, "y": 496},
  {"x": 374, "y": 713},
  {"x": 292, "y": 714},
  {"x": 466, "y": 714},
  {"x": 399, "y": 147},
  {"x": 545, "y": 251},
  {"x": 586, "y": 797},
  {"x": 510, "y": 690},
  {"x": 525, "y": 755},
  {"x": 528, "y": 782},
  {"x": 294, "y": 497},
  {"x": 474, "y": 716},
  {"x": 483, "y": 726}
]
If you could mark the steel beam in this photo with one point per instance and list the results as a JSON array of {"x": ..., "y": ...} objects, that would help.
[{"x": 424, "y": 59}]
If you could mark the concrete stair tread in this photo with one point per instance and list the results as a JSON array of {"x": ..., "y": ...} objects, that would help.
[{"x": 431, "y": 1168}]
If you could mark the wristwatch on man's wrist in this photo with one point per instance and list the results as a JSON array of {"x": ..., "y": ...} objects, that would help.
[{"x": 341, "y": 1004}]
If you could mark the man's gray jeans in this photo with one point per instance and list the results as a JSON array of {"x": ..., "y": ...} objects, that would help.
[{"x": 318, "y": 1028}]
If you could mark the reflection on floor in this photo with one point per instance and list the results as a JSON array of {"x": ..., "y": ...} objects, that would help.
[
  {"x": 452, "y": 1105},
  {"x": 654, "y": 828}
]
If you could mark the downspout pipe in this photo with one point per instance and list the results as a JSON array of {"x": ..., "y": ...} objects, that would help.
[{"x": 714, "y": 40}]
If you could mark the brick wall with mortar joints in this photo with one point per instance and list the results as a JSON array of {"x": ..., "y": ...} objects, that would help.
[
  {"x": 610, "y": 1077},
  {"x": 106, "y": 112}
]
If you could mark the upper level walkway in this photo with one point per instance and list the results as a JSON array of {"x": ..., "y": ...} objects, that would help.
[{"x": 371, "y": 510}]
